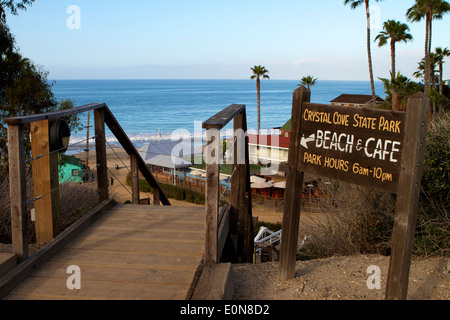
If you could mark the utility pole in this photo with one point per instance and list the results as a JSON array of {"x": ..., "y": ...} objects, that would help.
[{"x": 87, "y": 145}]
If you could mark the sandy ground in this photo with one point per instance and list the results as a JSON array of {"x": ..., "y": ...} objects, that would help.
[{"x": 339, "y": 278}]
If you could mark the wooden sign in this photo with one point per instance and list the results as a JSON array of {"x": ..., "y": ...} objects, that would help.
[
  {"x": 377, "y": 148},
  {"x": 357, "y": 145}
]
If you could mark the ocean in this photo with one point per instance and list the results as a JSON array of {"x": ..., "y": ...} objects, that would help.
[{"x": 155, "y": 109}]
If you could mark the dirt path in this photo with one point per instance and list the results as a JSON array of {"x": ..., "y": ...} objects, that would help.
[{"x": 338, "y": 278}]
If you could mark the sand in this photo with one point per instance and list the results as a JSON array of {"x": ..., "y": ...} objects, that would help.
[{"x": 122, "y": 192}]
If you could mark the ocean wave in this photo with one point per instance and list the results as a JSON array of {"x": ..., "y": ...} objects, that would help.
[{"x": 78, "y": 140}]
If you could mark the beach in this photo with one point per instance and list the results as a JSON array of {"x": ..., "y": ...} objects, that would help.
[
  {"x": 119, "y": 190},
  {"x": 122, "y": 192}
]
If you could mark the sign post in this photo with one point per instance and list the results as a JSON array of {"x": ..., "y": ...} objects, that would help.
[
  {"x": 369, "y": 147},
  {"x": 408, "y": 197}
]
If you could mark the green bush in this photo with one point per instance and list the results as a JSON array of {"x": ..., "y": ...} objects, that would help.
[
  {"x": 190, "y": 198},
  {"x": 433, "y": 233}
]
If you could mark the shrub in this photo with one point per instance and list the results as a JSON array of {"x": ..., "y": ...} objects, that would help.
[
  {"x": 75, "y": 201},
  {"x": 433, "y": 234},
  {"x": 359, "y": 221},
  {"x": 190, "y": 198}
]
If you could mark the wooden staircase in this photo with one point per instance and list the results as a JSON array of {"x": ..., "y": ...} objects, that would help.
[{"x": 132, "y": 252}]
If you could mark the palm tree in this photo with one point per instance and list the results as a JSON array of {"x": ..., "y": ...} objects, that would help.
[
  {"x": 420, "y": 73},
  {"x": 354, "y": 4},
  {"x": 258, "y": 72},
  {"x": 308, "y": 81},
  {"x": 395, "y": 31},
  {"x": 398, "y": 89},
  {"x": 440, "y": 55},
  {"x": 429, "y": 10}
]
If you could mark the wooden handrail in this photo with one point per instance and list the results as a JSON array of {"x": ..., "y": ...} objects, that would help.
[
  {"x": 112, "y": 124},
  {"x": 53, "y": 115},
  {"x": 129, "y": 147},
  {"x": 234, "y": 222},
  {"x": 221, "y": 119}
]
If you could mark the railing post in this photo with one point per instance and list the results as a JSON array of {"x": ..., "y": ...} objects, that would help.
[
  {"x": 45, "y": 183},
  {"x": 247, "y": 195},
  {"x": 241, "y": 222},
  {"x": 294, "y": 188},
  {"x": 212, "y": 194},
  {"x": 17, "y": 183},
  {"x": 134, "y": 178},
  {"x": 100, "y": 146},
  {"x": 241, "y": 219},
  {"x": 156, "y": 201}
]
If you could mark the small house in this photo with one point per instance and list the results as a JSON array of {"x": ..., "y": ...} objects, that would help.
[
  {"x": 169, "y": 158},
  {"x": 268, "y": 148},
  {"x": 286, "y": 129},
  {"x": 70, "y": 169},
  {"x": 355, "y": 100}
]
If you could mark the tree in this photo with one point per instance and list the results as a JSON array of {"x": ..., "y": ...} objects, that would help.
[
  {"x": 398, "y": 89},
  {"x": 440, "y": 55},
  {"x": 393, "y": 32},
  {"x": 308, "y": 81},
  {"x": 429, "y": 10},
  {"x": 355, "y": 4},
  {"x": 13, "y": 6},
  {"x": 6, "y": 48},
  {"x": 258, "y": 72},
  {"x": 420, "y": 73},
  {"x": 24, "y": 90}
]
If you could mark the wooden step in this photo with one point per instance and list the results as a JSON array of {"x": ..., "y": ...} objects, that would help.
[
  {"x": 131, "y": 252},
  {"x": 8, "y": 261}
]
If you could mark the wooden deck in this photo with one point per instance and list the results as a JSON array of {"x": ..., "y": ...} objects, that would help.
[{"x": 130, "y": 253}]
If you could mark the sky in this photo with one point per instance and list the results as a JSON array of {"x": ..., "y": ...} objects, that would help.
[{"x": 210, "y": 39}]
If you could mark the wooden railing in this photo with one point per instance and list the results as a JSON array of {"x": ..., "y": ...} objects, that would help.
[
  {"x": 45, "y": 171},
  {"x": 229, "y": 230}
]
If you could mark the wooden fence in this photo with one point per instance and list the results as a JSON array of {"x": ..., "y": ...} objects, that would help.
[{"x": 45, "y": 171}]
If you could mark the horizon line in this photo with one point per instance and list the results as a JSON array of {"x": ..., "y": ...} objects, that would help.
[{"x": 191, "y": 79}]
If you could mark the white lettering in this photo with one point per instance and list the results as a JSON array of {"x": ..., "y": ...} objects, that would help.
[
  {"x": 74, "y": 20},
  {"x": 74, "y": 281},
  {"x": 374, "y": 281}
]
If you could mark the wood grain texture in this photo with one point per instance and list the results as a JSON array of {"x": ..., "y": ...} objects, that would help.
[
  {"x": 45, "y": 183},
  {"x": 126, "y": 255},
  {"x": 357, "y": 145},
  {"x": 17, "y": 180},
  {"x": 294, "y": 187},
  {"x": 408, "y": 197}
]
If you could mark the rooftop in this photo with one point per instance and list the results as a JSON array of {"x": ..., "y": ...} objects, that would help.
[
  {"x": 268, "y": 140},
  {"x": 355, "y": 99}
]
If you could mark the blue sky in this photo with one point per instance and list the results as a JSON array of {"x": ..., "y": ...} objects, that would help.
[{"x": 209, "y": 39}]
